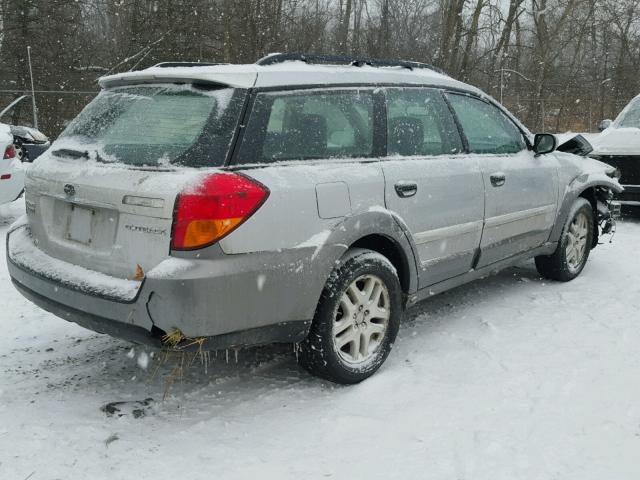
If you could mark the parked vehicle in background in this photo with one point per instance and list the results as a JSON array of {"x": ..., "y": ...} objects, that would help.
[
  {"x": 11, "y": 170},
  {"x": 307, "y": 201},
  {"x": 30, "y": 142},
  {"x": 619, "y": 145}
]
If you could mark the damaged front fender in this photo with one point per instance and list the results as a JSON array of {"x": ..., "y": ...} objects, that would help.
[{"x": 597, "y": 187}]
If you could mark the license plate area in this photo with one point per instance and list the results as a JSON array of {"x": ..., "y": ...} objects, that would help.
[{"x": 79, "y": 227}]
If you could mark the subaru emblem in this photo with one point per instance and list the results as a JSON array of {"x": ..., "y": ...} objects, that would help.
[{"x": 69, "y": 190}]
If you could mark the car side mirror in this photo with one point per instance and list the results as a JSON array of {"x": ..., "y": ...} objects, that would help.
[
  {"x": 544, "y": 143},
  {"x": 604, "y": 124}
]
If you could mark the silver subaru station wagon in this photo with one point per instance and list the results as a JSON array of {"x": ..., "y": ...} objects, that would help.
[{"x": 303, "y": 199}]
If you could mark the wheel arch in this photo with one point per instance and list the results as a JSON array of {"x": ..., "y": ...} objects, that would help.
[
  {"x": 584, "y": 186},
  {"x": 390, "y": 249},
  {"x": 380, "y": 231}
]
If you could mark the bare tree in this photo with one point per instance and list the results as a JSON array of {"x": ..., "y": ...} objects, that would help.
[{"x": 560, "y": 64}]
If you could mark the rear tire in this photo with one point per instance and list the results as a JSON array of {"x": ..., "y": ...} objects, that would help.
[
  {"x": 356, "y": 321},
  {"x": 572, "y": 253}
]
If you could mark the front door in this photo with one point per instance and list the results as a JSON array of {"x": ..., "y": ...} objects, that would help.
[
  {"x": 521, "y": 188},
  {"x": 436, "y": 190}
]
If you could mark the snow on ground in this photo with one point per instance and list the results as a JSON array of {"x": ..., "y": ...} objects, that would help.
[{"x": 512, "y": 377}]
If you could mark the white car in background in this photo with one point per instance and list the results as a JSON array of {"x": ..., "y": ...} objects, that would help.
[
  {"x": 619, "y": 146},
  {"x": 11, "y": 169}
]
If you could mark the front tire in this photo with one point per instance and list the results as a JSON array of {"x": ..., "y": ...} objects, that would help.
[
  {"x": 356, "y": 321},
  {"x": 572, "y": 253}
]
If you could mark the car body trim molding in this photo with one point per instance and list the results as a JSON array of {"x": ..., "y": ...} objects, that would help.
[
  {"x": 447, "y": 232},
  {"x": 434, "y": 261},
  {"x": 517, "y": 216}
]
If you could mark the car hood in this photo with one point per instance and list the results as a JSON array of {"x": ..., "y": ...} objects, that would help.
[
  {"x": 617, "y": 141},
  {"x": 574, "y": 143}
]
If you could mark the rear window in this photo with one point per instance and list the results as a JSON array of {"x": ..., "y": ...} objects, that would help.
[
  {"x": 308, "y": 125},
  {"x": 151, "y": 125}
]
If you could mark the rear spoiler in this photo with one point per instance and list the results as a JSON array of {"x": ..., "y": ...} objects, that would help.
[
  {"x": 171, "y": 74},
  {"x": 155, "y": 79}
]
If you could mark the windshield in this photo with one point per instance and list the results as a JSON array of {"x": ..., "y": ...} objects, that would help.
[
  {"x": 631, "y": 117},
  {"x": 151, "y": 125}
]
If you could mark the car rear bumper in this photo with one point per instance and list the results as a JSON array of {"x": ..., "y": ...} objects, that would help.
[
  {"x": 235, "y": 301},
  {"x": 97, "y": 323}
]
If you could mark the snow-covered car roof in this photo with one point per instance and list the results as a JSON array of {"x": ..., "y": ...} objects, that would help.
[{"x": 289, "y": 73}]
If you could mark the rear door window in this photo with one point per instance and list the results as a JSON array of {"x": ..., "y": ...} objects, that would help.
[
  {"x": 307, "y": 125},
  {"x": 420, "y": 123},
  {"x": 487, "y": 129}
]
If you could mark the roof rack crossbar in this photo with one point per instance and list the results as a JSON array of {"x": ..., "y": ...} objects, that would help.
[
  {"x": 186, "y": 64},
  {"x": 342, "y": 59}
]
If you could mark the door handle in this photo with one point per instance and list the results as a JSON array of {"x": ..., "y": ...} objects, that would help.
[
  {"x": 498, "y": 179},
  {"x": 406, "y": 189}
]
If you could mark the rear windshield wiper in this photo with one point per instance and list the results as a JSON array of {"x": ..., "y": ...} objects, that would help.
[{"x": 68, "y": 152}]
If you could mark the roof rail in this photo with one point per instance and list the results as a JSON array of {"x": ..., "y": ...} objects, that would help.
[
  {"x": 276, "y": 58},
  {"x": 186, "y": 64}
]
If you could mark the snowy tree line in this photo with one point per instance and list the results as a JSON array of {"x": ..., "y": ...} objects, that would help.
[{"x": 558, "y": 64}]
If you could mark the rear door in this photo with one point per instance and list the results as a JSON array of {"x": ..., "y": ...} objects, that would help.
[
  {"x": 436, "y": 190},
  {"x": 521, "y": 187}
]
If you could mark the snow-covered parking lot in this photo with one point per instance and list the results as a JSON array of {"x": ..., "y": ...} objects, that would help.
[{"x": 511, "y": 378}]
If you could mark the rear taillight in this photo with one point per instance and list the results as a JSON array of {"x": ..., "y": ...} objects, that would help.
[
  {"x": 213, "y": 208},
  {"x": 10, "y": 152}
]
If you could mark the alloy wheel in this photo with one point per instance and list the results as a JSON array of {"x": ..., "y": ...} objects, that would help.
[
  {"x": 361, "y": 320},
  {"x": 577, "y": 241}
]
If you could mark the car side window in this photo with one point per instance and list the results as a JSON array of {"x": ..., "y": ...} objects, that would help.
[
  {"x": 419, "y": 123},
  {"x": 487, "y": 129},
  {"x": 308, "y": 125}
]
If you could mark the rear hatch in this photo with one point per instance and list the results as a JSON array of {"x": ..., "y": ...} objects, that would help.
[{"x": 103, "y": 196}]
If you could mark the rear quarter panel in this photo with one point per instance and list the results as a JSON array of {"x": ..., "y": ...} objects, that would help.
[{"x": 290, "y": 218}]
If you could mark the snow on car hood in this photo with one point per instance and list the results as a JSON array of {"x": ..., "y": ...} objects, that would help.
[{"x": 617, "y": 141}]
